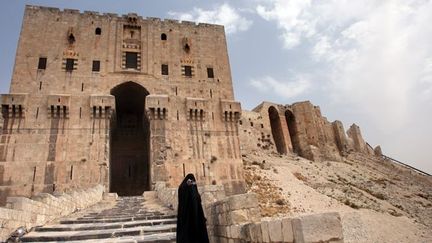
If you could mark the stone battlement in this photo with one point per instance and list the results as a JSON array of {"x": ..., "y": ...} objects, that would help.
[{"x": 95, "y": 14}]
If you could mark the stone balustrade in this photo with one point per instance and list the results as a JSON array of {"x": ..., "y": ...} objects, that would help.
[{"x": 44, "y": 207}]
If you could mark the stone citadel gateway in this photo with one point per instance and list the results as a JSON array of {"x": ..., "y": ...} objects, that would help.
[{"x": 126, "y": 102}]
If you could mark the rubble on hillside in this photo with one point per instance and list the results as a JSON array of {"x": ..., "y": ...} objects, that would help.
[
  {"x": 363, "y": 189},
  {"x": 271, "y": 201}
]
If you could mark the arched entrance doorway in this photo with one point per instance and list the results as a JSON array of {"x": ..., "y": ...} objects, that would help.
[
  {"x": 276, "y": 129},
  {"x": 129, "y": 155},
  {"x": 292, "y": 128}
]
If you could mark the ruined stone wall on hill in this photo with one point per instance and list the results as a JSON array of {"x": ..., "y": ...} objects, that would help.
[{"x": 301, "y": 129}]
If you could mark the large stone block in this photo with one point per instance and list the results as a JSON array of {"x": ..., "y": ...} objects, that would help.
[
  {"x": 265, "y": 231},
  {"x": 235, "y": 231},
  {"x": 246, "y": 200},
  {"x": 254, "y": 232},
  {"x": 238, "y": 217},
  {"x": 275, "y": 230},
  {"x": 222, "y": 219},
  {"x": 325, "y": 227},
  {"x": 254, "y": 214},
  {"x": 287, "y": 231}
]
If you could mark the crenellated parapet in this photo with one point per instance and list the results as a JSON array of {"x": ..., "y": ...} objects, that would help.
[{"x": 97, "y": 15}]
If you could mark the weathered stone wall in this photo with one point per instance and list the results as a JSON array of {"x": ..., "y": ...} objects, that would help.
[
  {"x": 226, "y": 217},
  {"x": 255, "y": 132},
  {"x": 237, "y": 219},
  {"x": 44, "y": 207},
  {"x": 301, "y": 129},
  {"x": 58, "y": 124}
]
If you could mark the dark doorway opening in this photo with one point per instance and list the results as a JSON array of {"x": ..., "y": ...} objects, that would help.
[
  {"x": 276, "y": 129},
  {"x": 292, "y": 128},
  {"x": 130, "y": 141}
]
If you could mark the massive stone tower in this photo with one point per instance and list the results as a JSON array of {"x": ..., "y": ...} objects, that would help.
[{"x": 123, "y": 101}]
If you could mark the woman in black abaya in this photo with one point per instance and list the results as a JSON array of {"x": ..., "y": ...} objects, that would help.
[{"x": 191, "y": 223}]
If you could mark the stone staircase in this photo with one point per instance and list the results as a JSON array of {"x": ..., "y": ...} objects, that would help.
[{"x": 128, "y": 219}]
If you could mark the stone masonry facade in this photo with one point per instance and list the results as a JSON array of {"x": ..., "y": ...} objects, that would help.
[
  {"x": 127, "y": 102},
  {"x": 122, "y": 101}
]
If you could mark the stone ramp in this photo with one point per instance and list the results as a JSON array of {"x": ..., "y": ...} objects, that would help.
[{"x": 130, "y": 219}]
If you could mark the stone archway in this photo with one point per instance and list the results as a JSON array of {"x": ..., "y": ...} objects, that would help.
[
  {"x": 292, "y": 129},
  {"x": 276, "y": 128},
  {"x": 130, "y": 141}
]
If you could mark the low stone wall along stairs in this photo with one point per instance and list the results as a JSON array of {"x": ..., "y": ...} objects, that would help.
[
  {"x": 125, "y": 219},
  {"x": 22, "y": 212}
]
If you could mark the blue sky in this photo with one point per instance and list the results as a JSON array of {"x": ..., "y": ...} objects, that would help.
[{"x": 367, "y": 62}]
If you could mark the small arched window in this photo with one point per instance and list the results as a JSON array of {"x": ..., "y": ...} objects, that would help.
[
  {"x": 71, "y": 39},
  {"x": 163, "y": 36},
  {"x": 186, "y": 48},
  {"x": 98, "y": 31}
]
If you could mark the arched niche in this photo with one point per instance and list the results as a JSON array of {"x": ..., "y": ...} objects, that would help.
[{"x": 276, "y": 128}]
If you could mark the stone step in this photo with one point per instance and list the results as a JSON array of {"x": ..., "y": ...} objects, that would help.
[
  {"x": 131, "y": 219},
  {"x": 99, "y": 235},
  {"x": 122, "y": 215},
  {"x": 101, "y": 226},
  {"x": 113, "y": 220},
  {"x": 159, "y": 238},
  {"x": 141, "y": 209}
]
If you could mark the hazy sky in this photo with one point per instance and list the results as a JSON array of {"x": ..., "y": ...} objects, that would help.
[{"x": 362, "y": 61}]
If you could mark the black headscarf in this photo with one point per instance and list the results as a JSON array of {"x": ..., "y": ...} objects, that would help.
[{"x": 191, "y": 223}]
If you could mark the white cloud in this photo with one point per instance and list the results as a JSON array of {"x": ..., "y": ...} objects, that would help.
[
  {"x": 223, "y": 15},
  {"x": 288, "y": 16},
  {"x": 283, "y": 88},
  {"x": 375, "y": 55}
]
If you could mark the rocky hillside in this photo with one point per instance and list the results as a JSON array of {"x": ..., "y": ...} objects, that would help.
[{"x": 379, "y": 201}]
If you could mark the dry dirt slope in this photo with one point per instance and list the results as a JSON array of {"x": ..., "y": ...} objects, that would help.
[{"x": 378, "y": 201}]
